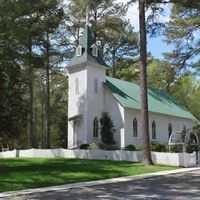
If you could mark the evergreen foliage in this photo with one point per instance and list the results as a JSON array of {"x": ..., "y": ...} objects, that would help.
[
  {"x": 130, "y": 147},
  {"x": 116, "y": 38},
  {"x": 107, "y": 129},
  {"x": 183, "y": 30},
  {"x": 158, "y": 147},
  {"x": 38, "y": 37},
  {"x": 84, "y": 146}
]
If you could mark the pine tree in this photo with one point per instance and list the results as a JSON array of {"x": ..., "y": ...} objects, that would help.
[
  {"x": 51, "y": 20},
  {"x": 161, "y": 75},
  {"x": 152, "y": 25},
  {"x": 13, "y": 107},
  {"x": 114, "y": 35},
  {"x": 143, "y": 86},
  {"x": 182, "y": 30}
]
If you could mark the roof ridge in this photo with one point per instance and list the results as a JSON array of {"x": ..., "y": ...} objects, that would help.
[
  {"x": 149, "y": 88},
  {"x": 128, "y": 95},
  {"x": 123, "y": 80}
]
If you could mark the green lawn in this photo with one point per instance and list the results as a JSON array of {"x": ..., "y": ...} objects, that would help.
[{"x": 16, "y": 174}]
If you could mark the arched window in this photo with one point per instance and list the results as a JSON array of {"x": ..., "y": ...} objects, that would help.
[
  {"x": 95, "y": 127},
  {"x": 135, "y": 128},
  {"x": 170, "y": 129},
  {"x": 96, "y": 85},
  {"x": 184, "y": 129},
  {"x": 79, "y": 50},
  {"x": 154, "y": 130},
  {"x": 94, "y": 50},
  {"x": 76, "y": 86}
]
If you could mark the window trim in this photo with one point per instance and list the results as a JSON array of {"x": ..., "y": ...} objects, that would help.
[
  {"x": 135, "y": 128},
  {"x": 95, "y": 128},
  {"x": 170, "y": 127},
  {"x": 79, "y": 50},
  {"x": 96, "y": 85},
  {"x": 77, "y": 86},
  {"x": 94, "y": 49},
  {"x": 153, "y": 130}
]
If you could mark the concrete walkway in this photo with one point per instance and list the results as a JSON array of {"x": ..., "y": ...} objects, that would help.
[{"x": 128, "y": 187}]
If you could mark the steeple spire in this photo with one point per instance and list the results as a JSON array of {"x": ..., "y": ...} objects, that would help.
[
  {"x": 86, "y": 40},
  {"x": 87, "y": 50}
]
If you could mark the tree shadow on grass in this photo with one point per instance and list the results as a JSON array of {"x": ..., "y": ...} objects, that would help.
[{"x": 31, "y": 173}]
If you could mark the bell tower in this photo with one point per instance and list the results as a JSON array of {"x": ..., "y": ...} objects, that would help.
[{"x": 86, "y": 72}]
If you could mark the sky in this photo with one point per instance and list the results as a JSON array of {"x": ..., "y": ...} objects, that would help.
[{"x": 155, "y": 45}]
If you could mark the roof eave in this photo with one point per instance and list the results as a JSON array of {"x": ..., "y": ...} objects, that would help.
[
  {"x": 191, "y": 118},
  {"x": 96, "y": 64},
  {"x": 73, "y": 66}
]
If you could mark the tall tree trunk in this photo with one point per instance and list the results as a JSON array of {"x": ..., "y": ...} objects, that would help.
[
  {"x": 47, "y": 99},
  {"x": 114, "y": 65},
  {"x": 42, "y": 117},
  {"x": 30, "y": 87},
  {"x": 35, "y": 127},
  {"x": 95, "y": 24},
  {"x": 143, "y": 87}
]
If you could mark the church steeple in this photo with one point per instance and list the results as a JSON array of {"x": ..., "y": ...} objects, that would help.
[
  {"x": 87, "y": 39},
  {"x": 86, "y": 76},
  {"x": 87, "y": 50}
]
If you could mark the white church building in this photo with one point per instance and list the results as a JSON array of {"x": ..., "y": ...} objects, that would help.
[{"x": 91, "y": 92}]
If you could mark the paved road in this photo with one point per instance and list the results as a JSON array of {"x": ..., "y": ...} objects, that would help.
[{"x": 184, "y": 186}]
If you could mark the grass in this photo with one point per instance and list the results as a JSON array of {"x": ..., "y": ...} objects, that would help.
[{"x": 21, "y": 173}]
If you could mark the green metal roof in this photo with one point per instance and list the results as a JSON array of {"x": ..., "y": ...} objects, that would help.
[
  {"x": 86, "y": 41},
  {"x": 128, "y": 95}
]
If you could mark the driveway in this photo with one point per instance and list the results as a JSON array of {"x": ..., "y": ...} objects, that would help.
[{"x": 182, "y": 186}]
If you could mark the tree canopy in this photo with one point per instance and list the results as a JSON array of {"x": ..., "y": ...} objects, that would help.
[{"x": 38, "y": 38}]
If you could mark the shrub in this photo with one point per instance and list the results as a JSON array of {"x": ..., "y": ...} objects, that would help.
[
  {"x": 102, "y": 145},
  {"x": 108, "y": 146},
  {"x": 107, "y": 129},
  {"x": 92, "y": 146},
  {"x": 130, "y": 147},
  {"x": 111, "y": 147},
  {"x": 191, "y": 148},
  {"x": 158, "y": 147},
  {"x": 176, "y": 148},
  {"x": 196, "y": 128},
  {"x": 84, "y": 146},
  {"x": 138, "y": 148}
]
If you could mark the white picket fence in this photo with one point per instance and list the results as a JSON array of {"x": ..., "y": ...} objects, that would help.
[{"x": 172, "y": 159}]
